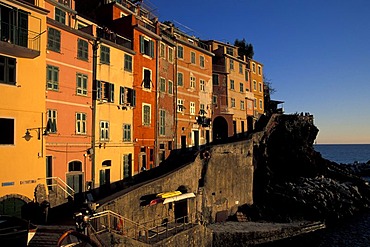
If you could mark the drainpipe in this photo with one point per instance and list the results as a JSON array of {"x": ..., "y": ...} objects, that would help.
[
  {"x": 93, "y": 115},
  {"x": 156, "y": 107}
]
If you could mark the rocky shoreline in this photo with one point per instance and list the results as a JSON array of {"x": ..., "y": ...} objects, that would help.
[{"x": 293, "y": 182}]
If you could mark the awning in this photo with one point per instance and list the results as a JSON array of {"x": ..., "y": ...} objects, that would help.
[{"x": 178, "y": 198}]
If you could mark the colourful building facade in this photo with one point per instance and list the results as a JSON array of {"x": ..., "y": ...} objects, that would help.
[{"x": 22, "y": 103}]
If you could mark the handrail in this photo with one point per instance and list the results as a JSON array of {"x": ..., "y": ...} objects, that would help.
[
  {"x": 60, "y": 183},
  {"x": 109, "y": 221}
]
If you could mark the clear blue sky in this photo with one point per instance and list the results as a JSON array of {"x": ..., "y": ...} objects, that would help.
[{"x": 316, "y": 53}]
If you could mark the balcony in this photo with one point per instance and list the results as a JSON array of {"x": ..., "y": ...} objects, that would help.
[
  {"x": 219, "y": 68},
  {"x": 19, "y": 42},
  {"x": 107, "y": 34},
  {"x": 148, "y": 26}
]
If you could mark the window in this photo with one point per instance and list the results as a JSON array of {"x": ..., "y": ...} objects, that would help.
[
  {"x": 104, "y": 54},
  {"x": 127, "y": 132},
  {"x": 246, "y": 75},
  {"x": 192, "y": 82},
  {"x": 14, "y": 25},
  {"x": 215, "y": 79},
  {"x": 146, "y": 46},
  {"x": 52, "y": 77},
  {"x": 127, "y": 162},
  {"x": 53, "y": 39},
  {"x": 260, "y": 87},
  {"x": 259, "y": 70},
  {"x": 6, "y": 131},
  {"x": 231, "y": 64},
  {"x": 60, "y": 16},
  {"x": 104, "y": 131},
  {"x": 146, "y": 115},
  {"x": 192, "y": 57},
  {"x": 51, "y": 125},
  {"x": 7, "y": 70},
  {"x": 75, "y": 166},
  {"x": 82, "y": 49},
  {"x": 201, "y": 61},
  {"x": 180, "y": 52},
  {"x": 253, "y": 67},
  {"x": 170, "y": 87},
  {"x": 241, "y": 86},
  {"x": 242, "y": 106},
  {"x": 232, "y": 85},
  {"x": 180, "y": 105},
  {"x": 254, "y": 85},
  {"x": 81, "y": 88},
  {"x": 202, "y": 109},
  {"x": 170, "y": 54},
  {"x": 180, "y": 79},
  {"x": 128, "y": 63},
  {"x": 192, "y": 108},
  {"x": 162, "y": 85},
  {"x": 162, "y": 122},
  {"x": 202, "y": 85},
  {"x": 230, "y": 51},
  {"x": 255, "y": 103},
  {"x": 127, "y": 96},
  {"x": 162, "y": 50},
  {"x": 214, "y": 99},
  {"x": 240, "y": 68},
  {"x": 261, "y": 104},
  {"x": 147, "y": 79},
  {"x": 232, "y": 102},
  {"x": 80, "y": 123},
  {"x": 105, "y": 91}
]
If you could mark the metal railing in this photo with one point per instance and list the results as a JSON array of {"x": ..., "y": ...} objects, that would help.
[
  {"x": 109, "y": 35},
  {"x": 56, "y": 184},
  {"x": 151, "y": 231},
  {"x": 109, "y": 221},
  {"x": 16, "y": 35}
]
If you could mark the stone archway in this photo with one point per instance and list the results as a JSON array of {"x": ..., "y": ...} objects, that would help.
[
  {"x": 13, "y": 205},
  {"x": 220, "y": 129}
]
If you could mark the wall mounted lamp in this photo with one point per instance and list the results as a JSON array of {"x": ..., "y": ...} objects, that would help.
[{"x": 27, "y": 136}]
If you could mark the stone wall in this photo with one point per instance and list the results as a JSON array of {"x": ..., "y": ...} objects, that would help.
[{"x": 220, "y": 183}]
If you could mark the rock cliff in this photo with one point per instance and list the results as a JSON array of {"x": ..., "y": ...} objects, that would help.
[{"x": 292, "y": 181}]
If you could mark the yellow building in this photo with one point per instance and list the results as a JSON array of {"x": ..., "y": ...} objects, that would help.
[
  {"x": 22, "y": 103},
  {"x": 114, "y": 100}
]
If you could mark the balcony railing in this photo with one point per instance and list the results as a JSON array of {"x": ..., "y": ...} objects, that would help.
[
  {"x": 20, "y": 36},
  {"x": 109, "y": 35},
  {"x": 148, "y": 26}
]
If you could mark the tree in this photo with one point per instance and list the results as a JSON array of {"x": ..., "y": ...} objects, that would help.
[{"x": 244, "y": 48}]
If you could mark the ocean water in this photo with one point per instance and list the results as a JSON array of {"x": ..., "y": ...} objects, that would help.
[
  {"x": 352, "y": 232},
  {"x": 344, "y": 153}
]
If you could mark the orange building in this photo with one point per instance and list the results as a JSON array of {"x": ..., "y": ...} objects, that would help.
[
  {"x": 68, "y": 99},
  {"x": 256, "y": 78},
  {"x": 231, "y": 91},
  {"x": 22, "y": 104},
  {"x": 166, "y": 129},
  {"x": 194, "y": 90}
]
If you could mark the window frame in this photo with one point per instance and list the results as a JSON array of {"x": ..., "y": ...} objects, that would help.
[
  {"x": 104, "y": 131},
  {"x": 146, "y": 114},
  {"x": 180, "y": 52},
  {"x": 59, "y": 15},
  {"x": 81, "y": 89},
  {"x": 9, "y": 136},
  {"x": 82, "y": 49},
  {"x": 104, "y": 54},
  {"x": 9, "y": 70},
  {"x": 126, "y": 133},
  {"x": 162, "y": 122},
  {"x": 81, "y": 123},
  {"x": 54, "y": 39},
  {"x": 52, "y": 121},
  {"x": 162, "y": 84},
  {"x": 127, "y": 63},
  {"x": 180, "y": 75},
  {"x": 192, "y": 57},
  {"x": 202, "y": 61},
  {"x": 52, "y": 82}
]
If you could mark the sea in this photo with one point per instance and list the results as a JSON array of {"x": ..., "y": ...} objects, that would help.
[{"x": 351, "y": 232}]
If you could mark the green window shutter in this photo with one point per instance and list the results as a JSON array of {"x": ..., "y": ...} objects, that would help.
[
  {"x": 142, "y": 45},
  {"x": 151, "y": 48}
]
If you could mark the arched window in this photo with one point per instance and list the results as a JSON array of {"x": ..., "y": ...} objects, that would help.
[{"x": 75, "y": 166}]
